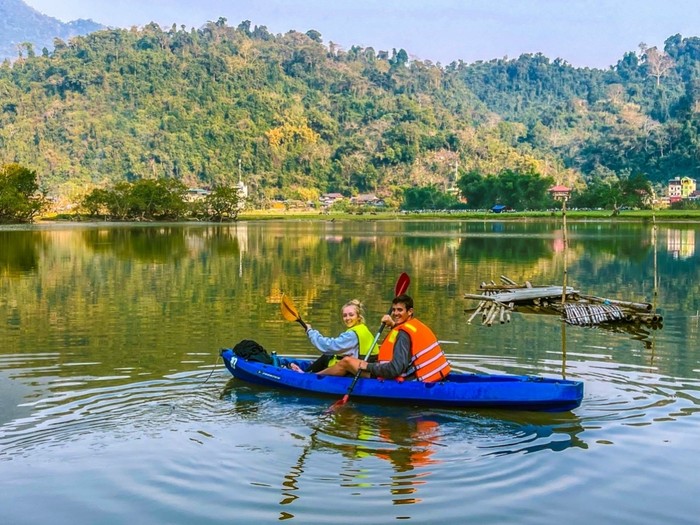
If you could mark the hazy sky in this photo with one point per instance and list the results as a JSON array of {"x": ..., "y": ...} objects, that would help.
[{"x": 594, "y": 33}]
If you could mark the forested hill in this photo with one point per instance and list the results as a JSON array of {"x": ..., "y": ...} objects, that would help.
[
  {"x": 25, "y": 31},
  {"x": 641, "y": 116},
  {"x": 296, "y": 117}
]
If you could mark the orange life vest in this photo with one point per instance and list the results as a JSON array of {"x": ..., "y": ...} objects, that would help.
[{"x": 428, "y": 362}]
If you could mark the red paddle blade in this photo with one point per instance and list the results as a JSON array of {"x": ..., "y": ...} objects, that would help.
[
  {"x": 338, "y": 404},
  {"x": 402, "y": 284}
]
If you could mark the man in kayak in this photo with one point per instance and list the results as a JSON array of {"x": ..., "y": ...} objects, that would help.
[{"x": 410, "y": 351}]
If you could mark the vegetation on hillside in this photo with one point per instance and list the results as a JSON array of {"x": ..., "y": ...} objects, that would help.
[
  {"x": 295, "y": 118},
  {"x": 639, "y": 117}
]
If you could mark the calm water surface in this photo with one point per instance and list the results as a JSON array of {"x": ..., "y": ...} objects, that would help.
[{"x": 113, "y": 407}]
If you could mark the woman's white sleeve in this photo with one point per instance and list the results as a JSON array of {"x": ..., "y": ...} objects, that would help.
[{"x": 346, "y": 343}]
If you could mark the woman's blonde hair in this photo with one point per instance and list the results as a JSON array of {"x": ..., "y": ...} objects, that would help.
[{"x": 359, "y": 308}]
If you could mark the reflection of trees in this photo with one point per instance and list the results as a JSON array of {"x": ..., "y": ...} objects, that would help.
[
  {"x": 19, "y": 251},
  {"x": 626, "y": 247},
  {"x": 506, "y": 249},
  {"x": 150, "y": 294},
  {"x": 152, "y": 244}
]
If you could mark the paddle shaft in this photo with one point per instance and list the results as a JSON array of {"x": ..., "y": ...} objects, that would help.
[{"x": 365, "y": 358}]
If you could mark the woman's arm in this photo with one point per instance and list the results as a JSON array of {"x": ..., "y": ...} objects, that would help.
[{"x": 346, "y": 343}]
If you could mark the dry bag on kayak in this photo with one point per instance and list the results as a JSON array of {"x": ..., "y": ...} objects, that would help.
[{"x": 252, "y": 351}]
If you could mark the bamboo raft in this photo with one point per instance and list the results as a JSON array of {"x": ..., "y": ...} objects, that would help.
[{"x": 498, "y": 301}]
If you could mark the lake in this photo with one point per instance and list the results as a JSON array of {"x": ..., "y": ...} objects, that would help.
[{"x": 115, "y": 406}]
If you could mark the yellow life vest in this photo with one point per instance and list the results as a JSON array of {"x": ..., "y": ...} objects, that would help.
[{"x": 365, "y": 338}]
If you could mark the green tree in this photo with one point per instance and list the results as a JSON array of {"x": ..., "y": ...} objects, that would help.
[
  {"x": 141, "y": 200},
  {"x": 427, "y": 198},
  {"x": 472, "y": 186},
  {"x": 20, "y": 200},
  {"x": 222, "y": 204},
  {"x": 157, "y": 199},
  {"x": 517, "y": 190},
  {"x": 598, "y": 194},
  {"x": 96, "y": 202},
  {"x": 615, "y": 193}
]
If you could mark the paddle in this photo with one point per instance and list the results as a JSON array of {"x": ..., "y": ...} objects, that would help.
[
  {"x": 289, "y": 311},
  {"x": 400, "y": 288}
]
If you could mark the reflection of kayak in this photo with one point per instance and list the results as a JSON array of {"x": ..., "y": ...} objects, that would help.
[{"x": 457, "y": 390}]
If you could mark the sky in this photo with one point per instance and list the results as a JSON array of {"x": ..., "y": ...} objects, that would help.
[{"x": 585, "y": 33}]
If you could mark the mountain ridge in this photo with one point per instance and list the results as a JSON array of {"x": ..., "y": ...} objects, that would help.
[{"x": 21, "y": 24}]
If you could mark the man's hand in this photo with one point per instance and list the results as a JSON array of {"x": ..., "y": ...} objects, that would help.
[{"x": 355, "y": 364}]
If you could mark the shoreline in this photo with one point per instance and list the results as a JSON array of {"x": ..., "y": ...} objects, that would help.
[{"x": 630, "y": 216}]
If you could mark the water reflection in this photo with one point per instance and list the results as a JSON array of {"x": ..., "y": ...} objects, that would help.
[
  {"x": 156, "y": 244},
  {"x": 411, "y": 442},
  {"x": 414, "y": 443},
  {"x": 104, "y": 335},
  {"x": 405, "y": 441},
  {"x": 681, "y": 243},
  {"x": 20, "y": 251}
]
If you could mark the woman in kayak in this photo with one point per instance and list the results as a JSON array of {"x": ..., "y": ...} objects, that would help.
[{"x": 354, "y": 342}]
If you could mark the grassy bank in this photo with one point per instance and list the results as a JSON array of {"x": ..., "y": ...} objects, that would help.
[
  {"x": 300, "y": 215},
  {"x": 605, "y": 215}
]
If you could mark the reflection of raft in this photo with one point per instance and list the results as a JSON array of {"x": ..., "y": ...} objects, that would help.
[{"x": 498, "y": 301}]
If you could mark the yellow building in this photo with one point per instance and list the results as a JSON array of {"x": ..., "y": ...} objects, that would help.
[{"x": 681, "y": 187}]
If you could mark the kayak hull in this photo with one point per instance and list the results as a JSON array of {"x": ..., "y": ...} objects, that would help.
[{"x": 457, "y": 390}]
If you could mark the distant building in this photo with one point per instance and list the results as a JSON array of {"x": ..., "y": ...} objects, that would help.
[
  {"x": 682, "y": 187},
  {"x": 195, "y": 194},
  {"x": 367, "y": 199},
  {"x": 560, "y": 193},
  {"x": 662, "y": 202},
  {"x": 242, "y": 191},
  {"x": 328, "y": 199}
]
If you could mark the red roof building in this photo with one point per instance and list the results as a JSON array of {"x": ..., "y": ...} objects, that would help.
[{"x": 560, "y": 193}]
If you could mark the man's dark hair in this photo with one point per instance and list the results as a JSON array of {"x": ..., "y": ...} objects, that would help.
[{"x": 405, "y": 300}]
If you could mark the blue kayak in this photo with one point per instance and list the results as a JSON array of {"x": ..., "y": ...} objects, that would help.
[{"x": 456, "y": 390}]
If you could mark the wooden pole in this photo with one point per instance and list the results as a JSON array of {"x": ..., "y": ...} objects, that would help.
[
  {"x": 646, "y": 307},
  {"x": 563, "y": 348},
  {"x": 476, "y": 312},
  {"x": 566, "y": 247},
  {"x": 656, "y": 278}
]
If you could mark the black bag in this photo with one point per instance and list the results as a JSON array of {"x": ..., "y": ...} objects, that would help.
[{"x": 252, "y": 351}]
